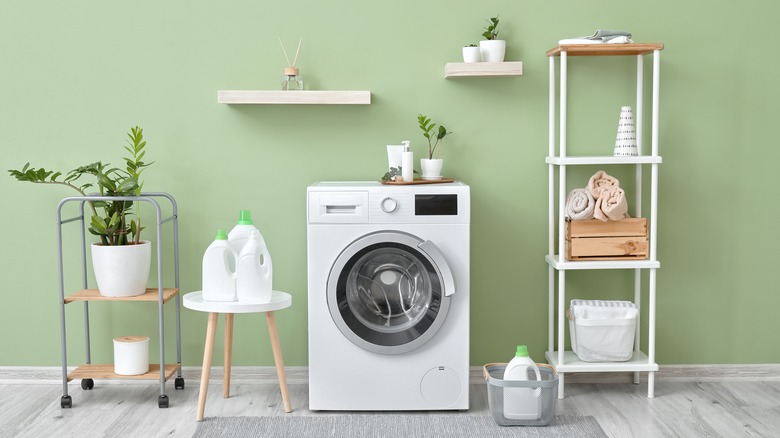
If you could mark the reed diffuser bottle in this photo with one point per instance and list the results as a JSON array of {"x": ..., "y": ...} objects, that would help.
[{"x": 292, "y": 80}]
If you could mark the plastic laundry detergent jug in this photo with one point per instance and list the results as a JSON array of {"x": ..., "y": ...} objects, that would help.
[
  {"x": 522, "y": 403},
  {"x": 219, "y": 280},
  {"x": 254, "y": 271},
  {"x": 239, "y": 235}
]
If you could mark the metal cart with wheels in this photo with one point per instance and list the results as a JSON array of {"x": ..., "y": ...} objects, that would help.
[{"x": 160, "y": 294}]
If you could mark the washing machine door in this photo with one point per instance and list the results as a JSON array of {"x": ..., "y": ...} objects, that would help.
[{"x": 389, "y": 292}]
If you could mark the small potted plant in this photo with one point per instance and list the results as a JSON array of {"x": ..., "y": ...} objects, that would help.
[
  {"x": 491, "y": 49},
  {"x": 471, "y": 53},
  {"x": 121, "y": 259},
  {"x": 431, "y": 167}
]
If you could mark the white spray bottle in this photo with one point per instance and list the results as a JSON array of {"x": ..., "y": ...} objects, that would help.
[
  {"x": 522, "y": 403},
  {"x": 219, "y": 279},
  {"x": 254, "y": 271}
]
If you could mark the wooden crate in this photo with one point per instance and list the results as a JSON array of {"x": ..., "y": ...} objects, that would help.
[{"x": 612, "y": 240}]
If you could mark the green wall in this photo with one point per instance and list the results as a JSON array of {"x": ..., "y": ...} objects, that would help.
[{"x": 76, "y": 75}]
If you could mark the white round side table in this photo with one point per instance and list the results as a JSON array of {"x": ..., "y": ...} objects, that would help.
[{"x": 279, "y": 301}]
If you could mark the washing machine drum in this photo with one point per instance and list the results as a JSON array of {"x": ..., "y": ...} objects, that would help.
[{"x": 389, "y": 292}]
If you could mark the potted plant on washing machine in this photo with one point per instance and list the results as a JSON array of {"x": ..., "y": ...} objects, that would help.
[
  {"x": 491, "y": 49},
  {"x": 431, "y": 167},
  {"x": 121, "y": 259}
]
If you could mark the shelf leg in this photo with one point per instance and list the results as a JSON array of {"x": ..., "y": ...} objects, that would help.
[
  {"x": 636, "y": 377},
  {"x": 277, "y": 350},
  {"x": 651, "y": 384},
  {"x": 228, "y": 354},
  {"x": 560, "y": 386},
  {"x": 211, "y": 332}
]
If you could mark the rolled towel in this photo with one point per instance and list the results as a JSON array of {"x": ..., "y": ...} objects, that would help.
[
  {"x": 601, "y": 181},
  {"x": 611, "y": 205},
  {"x": 580, "y": 205}
]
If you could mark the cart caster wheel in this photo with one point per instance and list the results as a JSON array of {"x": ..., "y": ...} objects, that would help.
[
  {"x": 87, "y": 384},
  {"x": 66, "y": 402},
  {"x": 179, "y": 383},
  {"x": 162, "y": 401}
]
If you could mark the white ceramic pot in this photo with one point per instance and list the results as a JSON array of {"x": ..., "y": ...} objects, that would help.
[
  {"x": 471, "y": 54},
  {"x": 492, "y": 50},
  {"x": 122, "y": 271},
  {"x": 431, "y": 169}
]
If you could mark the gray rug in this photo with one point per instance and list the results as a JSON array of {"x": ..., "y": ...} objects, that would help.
[{"x": 391, "y": 426}]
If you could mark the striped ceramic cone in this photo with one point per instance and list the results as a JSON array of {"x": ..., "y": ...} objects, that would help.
[{"x": 625, "y": 144}]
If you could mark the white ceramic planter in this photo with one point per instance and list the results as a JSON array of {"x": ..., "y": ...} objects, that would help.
[
  {"x": 431, "y": 169},
  {"x": 122, "y": 271},
  {"x": 471, "y": 54},
  {"x": 492, "y": 50},
  {"x": 131, "y": 355}
]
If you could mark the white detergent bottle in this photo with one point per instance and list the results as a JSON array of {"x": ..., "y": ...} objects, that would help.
[
  {"x": 239, "y": 235},
  {"x": 522, "y": 403},
  {"x": 407, "y": 162},
  {"x": 254, "y": 271},
  {"x": 219, "y": 279}
]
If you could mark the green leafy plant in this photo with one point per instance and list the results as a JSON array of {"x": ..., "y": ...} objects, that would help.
[
  {"x": 430, "y": 132},
  {"x": 472, "y": 45},
  {"x": 491, "y": 31},
  {"x": 394, "y": 173},
  {"x": 109, "y": 218}
]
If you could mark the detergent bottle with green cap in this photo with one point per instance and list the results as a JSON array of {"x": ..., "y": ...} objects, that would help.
[
  {"x": 254, "y": 271},
  {"x": 522, "y": 403},
  {"x": 219, "y": 278},
  {"x": 239, "y": 235}
]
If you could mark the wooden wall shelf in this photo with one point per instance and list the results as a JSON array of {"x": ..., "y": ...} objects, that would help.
[
  {"x": 477, "y": 69},
  {"x": 305, "y": 97},
  {"x": 605, "y": 49}
]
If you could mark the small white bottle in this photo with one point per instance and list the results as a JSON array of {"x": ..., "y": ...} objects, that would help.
[
  {"x": 239, "y": 235},
  {"x": 254, "y": 271},
  {"x": 219, "y": 279},
  {"x": 522, "y": 403},
  {"x": 407, "y": 162}
]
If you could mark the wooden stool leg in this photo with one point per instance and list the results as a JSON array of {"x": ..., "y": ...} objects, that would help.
[
  {"x": 211, "y": 333},
  {"x": 228, "y": 353},
  {"x": 277, "y": 349}
]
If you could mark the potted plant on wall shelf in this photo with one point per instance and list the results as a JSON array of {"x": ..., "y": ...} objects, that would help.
[
  {"x": 471, "y": 53},
  {"x": 121, "y": 259},
  {"x": 431, "y": 167},
  {"x": 491, "y": 49}
]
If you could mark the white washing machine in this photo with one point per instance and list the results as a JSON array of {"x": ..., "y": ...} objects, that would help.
[{"x": 388, "y": 296}]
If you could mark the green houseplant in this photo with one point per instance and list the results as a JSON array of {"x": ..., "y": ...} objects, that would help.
[
  {"x": 115, "y": 222},
  {"x": 492, "y": 49},
  {"x": 431, "y": 167}
]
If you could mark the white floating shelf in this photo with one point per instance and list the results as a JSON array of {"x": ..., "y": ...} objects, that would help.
[
  {"x": 561, "y": 265},
  {"x": 572, "y": 364},
  {"x": 475, "y": 69},
  {"x": 603, "y": 160},
  {"x": 305, "y": 97}
]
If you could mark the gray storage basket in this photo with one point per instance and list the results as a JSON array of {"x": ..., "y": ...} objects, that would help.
[{"x": 500, "y": 392}]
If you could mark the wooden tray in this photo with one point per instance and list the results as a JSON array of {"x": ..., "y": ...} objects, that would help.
[{"x": 419, "y": 181}]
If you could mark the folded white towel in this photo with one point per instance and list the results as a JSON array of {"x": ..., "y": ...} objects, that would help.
[
  {"x": 579, "y": 41},
  {"x": 602, "y": 309},
  {"x": 601, "y": 181},
  {"x": 580, "y": 205}
]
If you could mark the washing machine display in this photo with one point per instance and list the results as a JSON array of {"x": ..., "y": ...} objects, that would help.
[{"x": 387, "y": 294}]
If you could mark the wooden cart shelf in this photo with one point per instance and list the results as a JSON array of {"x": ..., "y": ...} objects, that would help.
[
  {"x": 106, "y": 371},
  {"x": 151, "y": 294},
  {"x": 605, "y": 49}
]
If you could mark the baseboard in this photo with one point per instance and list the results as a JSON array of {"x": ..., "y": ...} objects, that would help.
[{"x": 300, "y": 374}]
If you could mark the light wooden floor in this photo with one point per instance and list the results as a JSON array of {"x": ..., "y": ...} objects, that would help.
[{"x": 727, "y": 409}]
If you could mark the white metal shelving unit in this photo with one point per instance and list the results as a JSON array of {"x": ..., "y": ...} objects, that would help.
[{"x": 566, "y": 361}]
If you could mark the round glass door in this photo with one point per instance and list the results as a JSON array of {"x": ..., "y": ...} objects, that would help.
[{"x": 385, "y": 293}]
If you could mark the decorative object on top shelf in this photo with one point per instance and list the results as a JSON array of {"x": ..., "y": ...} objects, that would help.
[
  {"x": 292, "y": 79},
  {"x": 471, "y": 53},
  {"x": 492, "y": 49},
  {"x": 110, "y": 218},
  {"x": 431, "y": 167},
  {"x": 625, "y": 144}
]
